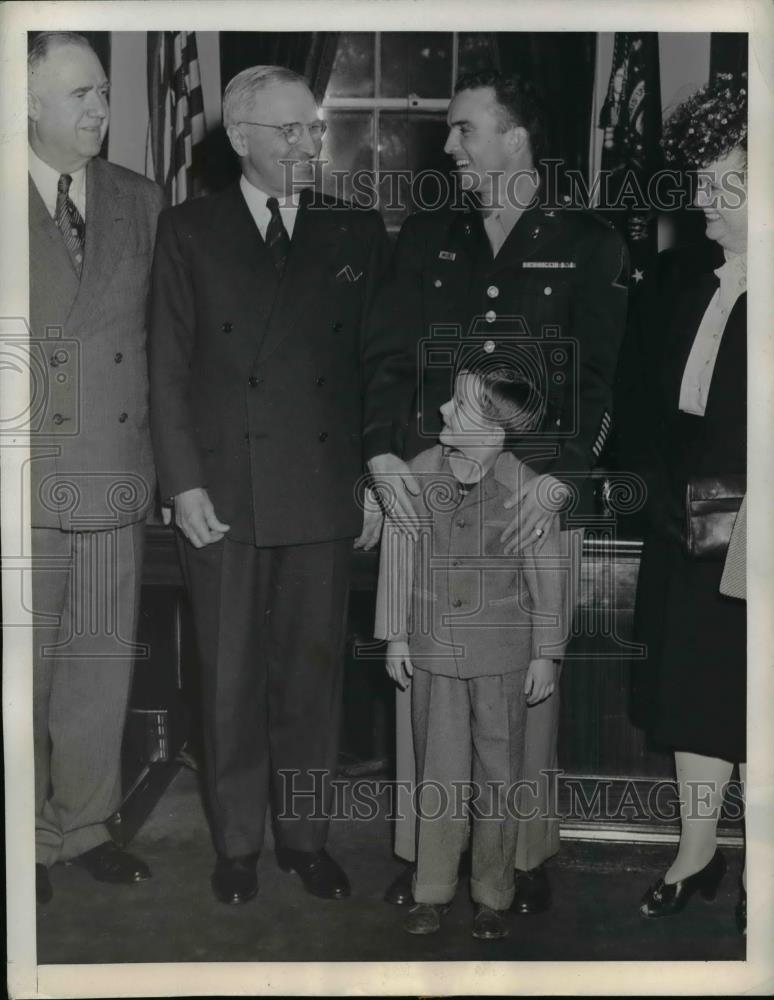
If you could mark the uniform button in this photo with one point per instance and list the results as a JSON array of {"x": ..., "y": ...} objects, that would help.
[
  {"x": 118, "y": 358},
  {"x": 489, "y": 346},
  {"x": 254, "y": 381},
  {"x": 227, "y": 327},
  {"x": 338, "y": 327},
  {"x": 490, "y": 316},
  {"x": 61, "y": 377},
  {"x": 493, "y": 291},
  {"x": 437, "y": 283},
  {"x": 456, "y": 603},
  {"x": 323, "y": 436},
  {"x": 319, "y": 381},
  {"x": 58, "y": 418},
  {"x": 123, "y": 418},
  {"x": 547, "y": 290}
]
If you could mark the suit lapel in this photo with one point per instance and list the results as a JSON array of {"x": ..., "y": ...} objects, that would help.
[
  {"x": 684, "y": 327},
  {"x": 108, "y": 212},
  {"x": 49, "y": 260}
]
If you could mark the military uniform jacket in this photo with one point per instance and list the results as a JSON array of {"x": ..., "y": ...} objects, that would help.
[
  {"x": 91, "y": 460},
  {"x": 467, "y": 609},
  {"x": 558, "y": 285},
  {"x": 256, "y": 381}
]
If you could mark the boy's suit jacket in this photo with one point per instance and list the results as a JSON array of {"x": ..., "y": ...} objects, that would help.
[
  {"x": 256, "y": 382},
  {"x": 91, "y": 460},
  {"x": 468, "y": 609}
]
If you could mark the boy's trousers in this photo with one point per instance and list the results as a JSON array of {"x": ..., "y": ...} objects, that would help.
[
  {"x": 537, "y": 837},
  {"x": 465, "y": 728}
]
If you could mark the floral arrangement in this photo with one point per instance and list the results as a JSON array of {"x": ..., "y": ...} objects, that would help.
[{"x": 710, "y": 124}]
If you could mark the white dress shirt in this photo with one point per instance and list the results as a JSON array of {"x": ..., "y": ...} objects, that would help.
[
  {"x": 256, "y": 202},
  {"x": 46, "y": 180},
  {"x": 697, "y": 376}
]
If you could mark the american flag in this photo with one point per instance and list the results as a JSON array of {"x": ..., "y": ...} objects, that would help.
[{"x": 176, "y": 113}]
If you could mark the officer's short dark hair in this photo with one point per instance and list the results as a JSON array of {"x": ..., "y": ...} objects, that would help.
[{"x": 518, "y": 101}]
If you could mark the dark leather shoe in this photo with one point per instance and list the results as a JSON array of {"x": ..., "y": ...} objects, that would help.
[
  {"x": 425, "y": 918},
  {"x": 399, "y": 890},
  {"x": 489, "y": 924},
  {"x": 664, "y": 898},
  {"x": 532, "y": 892},
  {"x": 740, "y": 912},
  {"x": 234, "y": 879},
  {"x": 108, "y": 863},
  {"x": 319, "y": 872},
  {"x": 43, "y": 891}
]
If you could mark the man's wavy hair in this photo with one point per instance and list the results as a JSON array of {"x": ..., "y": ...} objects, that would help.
[
  {"x": 519, "y": 104},
  {"x": 709, "y": 125}
]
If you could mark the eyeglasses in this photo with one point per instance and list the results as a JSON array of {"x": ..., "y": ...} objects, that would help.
[{"x": 293, "y": 131}]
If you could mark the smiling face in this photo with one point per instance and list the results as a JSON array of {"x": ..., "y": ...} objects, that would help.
[
  {"x": 68, "y": 107},
  {"x": 481, "y": 147},
  {"x": 261, "y": 149},
  {"x": 465, "y": 427},
  {"x": 722, "y": 196}
]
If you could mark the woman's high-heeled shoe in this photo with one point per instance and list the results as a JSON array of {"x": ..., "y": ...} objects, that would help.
[
  {"x": 740, "y": 912},
  {"x": 665, "y": 898}
]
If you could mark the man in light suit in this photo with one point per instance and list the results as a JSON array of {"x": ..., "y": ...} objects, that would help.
[
  {"x": 258, "y": 368},
  {"x": 92, "y": 226}
]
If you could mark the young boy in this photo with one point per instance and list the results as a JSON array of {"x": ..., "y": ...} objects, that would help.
[{"x": 478, "y": 634}]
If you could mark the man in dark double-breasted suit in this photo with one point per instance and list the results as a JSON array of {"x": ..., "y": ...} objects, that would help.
[
  {"x": 258, "y": 364},
  {"x": 504, "y": 262},
  {"x": 92, "y": 226}
]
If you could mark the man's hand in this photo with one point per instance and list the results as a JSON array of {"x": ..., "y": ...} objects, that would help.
[
  {"x": 540, "y": 681},
  {"x": 196, "y": 518},
  {"x": 373, "y": 519},
  {"x": 533, "y": 517},
  {"x": 398, "y": 663},
  {"x": 393, "y": 482}
]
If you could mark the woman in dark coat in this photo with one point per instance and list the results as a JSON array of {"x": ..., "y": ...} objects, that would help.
[{"x": 692, "y": 420}]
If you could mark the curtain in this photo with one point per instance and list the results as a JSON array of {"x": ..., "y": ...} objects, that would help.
[
  {"x": 728, "y": 53},
  {"x": 561, "y": 67}
]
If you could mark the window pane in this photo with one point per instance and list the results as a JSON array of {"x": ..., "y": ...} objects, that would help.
[
  {"x": 415, "y": 62},
  {"x": 353, "y": 68},
  {"x": 476, "y": 51},
  {"x": 348, "y": 147},
  {"x": 414, "y": 171}
]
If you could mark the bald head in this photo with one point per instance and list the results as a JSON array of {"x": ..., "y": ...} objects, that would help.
[{"x": 67, "y": 101}]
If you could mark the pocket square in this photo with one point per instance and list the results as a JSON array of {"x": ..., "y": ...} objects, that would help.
[{"x": 347, "y": 274}]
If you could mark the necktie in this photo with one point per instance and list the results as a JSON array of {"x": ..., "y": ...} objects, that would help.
[
  {"x": 70, "y": 222},
  {"x": 277, "y": 237}
]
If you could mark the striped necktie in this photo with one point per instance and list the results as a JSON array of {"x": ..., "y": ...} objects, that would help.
[
  {"x": 70, "y": 222},
  {"x": 277, "y": 238}
]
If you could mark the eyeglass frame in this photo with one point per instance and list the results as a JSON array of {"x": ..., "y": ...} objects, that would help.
[{"x": 319, "y": 124}]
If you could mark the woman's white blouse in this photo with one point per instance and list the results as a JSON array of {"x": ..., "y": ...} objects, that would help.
[{"x": 697, "y": 376}]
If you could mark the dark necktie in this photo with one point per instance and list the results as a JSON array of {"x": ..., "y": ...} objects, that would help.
[
  {"x": 277, "y": 238},
  {"x": 70, "y": 222}
]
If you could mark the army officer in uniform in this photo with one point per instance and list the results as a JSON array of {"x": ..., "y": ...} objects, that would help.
[{"x": 503, "y": 262}]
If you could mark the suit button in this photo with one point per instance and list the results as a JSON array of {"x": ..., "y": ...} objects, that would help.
[
  {"x": 319, "y": 381},
  {"x": 254, "y": 381},
  {"x": 338, "y": 327},
  {"x": 58, "y": 419},
  {"x": 227, "y": 327},
  {"x": 323, "y": 436},
  {"x": 547, "y": 290},
  {"x": 456, "y": 603},
  {"x": 118, "y": 358},
  {"x": 490, "y": 316},
  {"x": 493, "y": 291},
  {"x": 123, "y": 418}
]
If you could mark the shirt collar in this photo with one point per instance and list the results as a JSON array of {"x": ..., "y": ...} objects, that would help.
[
  {"x": 46, "y": 180},
  {"x": 257, "y": 198}
]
